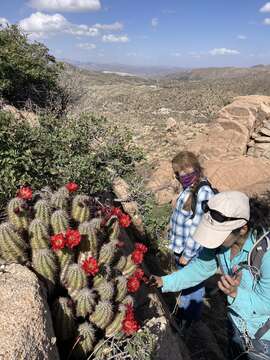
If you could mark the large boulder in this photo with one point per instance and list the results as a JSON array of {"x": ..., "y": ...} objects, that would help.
[{"x": 25, "y": 321}]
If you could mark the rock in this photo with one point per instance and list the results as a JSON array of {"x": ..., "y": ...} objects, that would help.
[
  {"x": 262, "y": 145},
  {"x": 25, "y": 320},
  {"x": 171, "y": 124},
  {"x": 265, "y": 131},
  {"x": 22, "y": 115},
  {"x": 163, "y": 111},
  {"x": 162, "y": 177},
  {"x": 262, "y": 139},
  {"x": 164, "y": 196}
]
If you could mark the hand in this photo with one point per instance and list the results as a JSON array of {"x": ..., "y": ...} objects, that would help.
[
  {"x": 229, "y": 284},
  {"x": 183, "y": 261},
  {"x": 155, "y": 281}
]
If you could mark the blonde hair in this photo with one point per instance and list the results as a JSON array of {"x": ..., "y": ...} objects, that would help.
[{"x": 183, "y": 160}]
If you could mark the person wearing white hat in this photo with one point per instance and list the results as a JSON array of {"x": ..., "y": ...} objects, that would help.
[{"x": 229, "y": 234}]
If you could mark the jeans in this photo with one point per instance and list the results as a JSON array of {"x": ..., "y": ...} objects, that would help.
[
  {"x": 250, "y": 349},
  {"x": 191, "y": 300}
]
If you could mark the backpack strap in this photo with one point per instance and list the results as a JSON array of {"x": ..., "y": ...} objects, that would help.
[
  {"x": 262, "y": 330},
  {"x": 195, "y": 195},
  {"x": 257, "y": 252}
]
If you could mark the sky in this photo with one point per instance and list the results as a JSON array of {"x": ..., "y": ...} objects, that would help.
[{"x": 171, "y": 33}]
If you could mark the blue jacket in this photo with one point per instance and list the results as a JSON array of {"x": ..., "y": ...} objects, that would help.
[{"x": 250, "y": 309}]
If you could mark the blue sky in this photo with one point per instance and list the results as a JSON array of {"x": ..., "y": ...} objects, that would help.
[{"x": 184, "y": 33}]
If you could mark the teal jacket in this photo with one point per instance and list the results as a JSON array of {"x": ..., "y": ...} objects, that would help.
[{"x": 250, "y": 309}]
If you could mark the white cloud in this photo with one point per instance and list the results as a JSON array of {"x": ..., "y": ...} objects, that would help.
[
  {"x": 111, "y": 27},
  {"x": 154, "y": 22},
  {"x": 86, "y": 46},
  {"x": 223, "y": 51},
  {"x": 115, "y": 39},
  {"x": 266, "y": 21},
  {"x": 265, "y": 8},
  {"x": 177, "y": 54},
  {"x": 3, "y": 21},
  {"x": 241, "y": 37},
  {"x": 66, "y": 5},
  {"x": 42, "y": 25}
]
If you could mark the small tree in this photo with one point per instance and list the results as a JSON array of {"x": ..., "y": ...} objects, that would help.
[{"x": 28, "y": 71}]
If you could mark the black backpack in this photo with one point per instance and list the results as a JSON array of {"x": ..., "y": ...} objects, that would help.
[{"x": 195, "y": 195}]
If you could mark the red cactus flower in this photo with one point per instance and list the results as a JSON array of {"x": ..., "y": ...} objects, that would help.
[
  {"x": 133, "y": 284},
  {"x": 58, "y": 241},
  {"x": 72, "y": 186},
  {"x": 116, "y": 211},
  {"x": 73, "y": 238},
  {"x": 129, "y": 327},
  {"x": 25, "y": 193},
  {"x": 141, "y": 247},
  {"x": 137, "y": 257},
  {"x": 129, "y": 312},
  {"x": 124, "y": 220},
  {"x": 139, "y": 274},
  {"x": 90, "y": 266}
]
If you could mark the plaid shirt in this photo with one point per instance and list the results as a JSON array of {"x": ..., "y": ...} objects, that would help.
[{"x": 182, "y": 228}]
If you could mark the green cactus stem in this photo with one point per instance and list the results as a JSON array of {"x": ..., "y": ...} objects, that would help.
[
  {"x": 86, "y": 333},
  {"x": 128, "y": 300},
  {"x": 12, "y": 246},
  {"x": 89, "y": 238},
  {"x": 64, "y": 192},
  {"x": 59, "y": 221},
  {"x": 43, "y": 211},
  {"x": 102, "y": 350},
  {"x": 115, "y": 328},
  {"x": 115, "y": 231},
  {"x": 17, "y": 214},
  {"x": 39, "y": 236},
  {"x": 65, "y": 258},
  {"x": 59, "y": 201},
  {"x": 80, "y": 208},
  {"x": 64, "y": 320},
  {"x": 105, "y": 290},
  {"x": 75, "y": 277},
  {"x": 98, "y": 279},
  {"x": 107, "y": 253},
  {"x": 130, "y": 267},
  {"x": 86, "y": 300},
  {"x": 45, "y": 263},
  {"x": 121, "y": 288},
  {"x": 121, "y": 263},
  {"x": 103, "y": 314}
]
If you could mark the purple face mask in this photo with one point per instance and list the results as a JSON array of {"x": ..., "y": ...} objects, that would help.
[{"x": 187, "y": 179}]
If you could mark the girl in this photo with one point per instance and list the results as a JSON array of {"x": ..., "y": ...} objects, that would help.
[{"x": 184, "y": 220}]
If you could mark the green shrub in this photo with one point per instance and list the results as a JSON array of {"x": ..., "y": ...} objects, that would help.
[
  {"x": 28, "y": 72},
  {"x": 86, "y": 150}
]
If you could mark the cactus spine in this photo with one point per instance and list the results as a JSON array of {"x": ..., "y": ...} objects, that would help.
[
  {"x": 59, "y": 221},
  {"x": 64, "y": 324},
  {"x": 102, "y": 315},
  {"x": 75, "y": 277},
  {"x": 59, "y": 201},
  {"x": 17, "y": 214},
  {"x": 39, "y": 237},
  {"x": 106, "y": 254},
  {"x": 121, "y": 288},
  {"x": 43, "y": 212},
  {"x": 105, "y": 290},
  {"x": 65, "y": 258},
  {"x": 45, "y": 263},
  {"x": 115, "y": 231},
  {"x": 80, "y": 208},
  {"x": 115, "y": 327},
  {"x": 85, "y": 302},
  {"x": 121, "y": 263},
  {"x": 12, "y": 246},
  {"x": 130, "y": 267},
  {"x": 87, "y": 334}
]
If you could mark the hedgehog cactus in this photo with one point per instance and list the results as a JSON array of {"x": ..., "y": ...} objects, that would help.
[
  {"x": 59, "y": 201},
  {"x": 12, "y": 246},
  {"x": 17, "y": 213},
  {"x": 80, "y": 208},
  {"x": 39, "y": 236},
  {"x": 107, "y": 253},
  {"x": 121, "y": 288},
  {"x": 86, "y": 300},
  {"x": 45, "y": 263},
  {"x": 75, "y": 277},
  {"x": 43, "y": 212},
  {"x": 105, "y": 290},
  {"x": 64, "y": 320},
  {"x": 59, "y": 221},
  {"x": 129, "y": 268},
  {"x": 121, "y": 263},
  {"x": 115, "y": 231},
  {"x": 86, "y": 334},
  {"x": 103, "y": 314},
  {"x": 115, "y": 328},
  {"x": 89, "y": 238}
]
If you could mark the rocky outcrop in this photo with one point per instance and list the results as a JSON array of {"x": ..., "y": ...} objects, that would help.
[
  {"x": 25, "y": 321},
  {"x": 235, "y": 152},
  {"x": 21, "y": 115}
]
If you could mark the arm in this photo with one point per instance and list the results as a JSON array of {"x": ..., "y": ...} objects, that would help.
[
  {"x": 191, "y": 246},
  {"x": 199, "y": 269},
  {"x": 256, "y": 301}
]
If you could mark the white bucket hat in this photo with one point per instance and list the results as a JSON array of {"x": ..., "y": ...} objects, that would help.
[{"x": 224, "y": 212}]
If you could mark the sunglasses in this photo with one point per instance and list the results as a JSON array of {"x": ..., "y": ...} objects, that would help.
[{"x": 218, "y": 216}]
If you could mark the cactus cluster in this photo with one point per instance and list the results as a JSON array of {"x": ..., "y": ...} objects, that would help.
[{"x": 78, "y": 258}]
